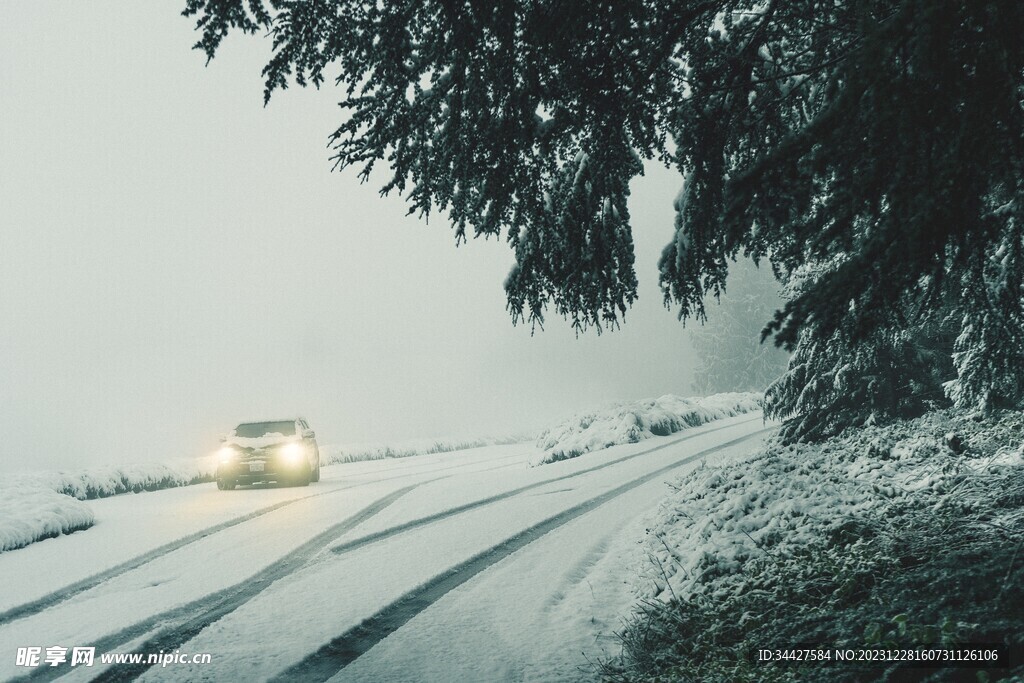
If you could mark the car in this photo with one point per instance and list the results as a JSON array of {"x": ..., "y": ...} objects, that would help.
[{"x": 282, "y": 451}]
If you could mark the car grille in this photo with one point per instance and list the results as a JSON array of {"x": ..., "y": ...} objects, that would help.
[{"x": 257, "y": 454}]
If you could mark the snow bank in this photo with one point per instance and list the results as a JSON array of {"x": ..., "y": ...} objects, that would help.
[
  {"x": 638, "y": 420},
  {"x": 100, "y": 482},
  {"x": 31, "y": 514},
  {"x": 38, "y": 505},
  {"x": 787, "y": 500},
  {"x": 356, "y": 452}
]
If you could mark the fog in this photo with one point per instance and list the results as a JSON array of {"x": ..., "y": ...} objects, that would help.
[{"x": 175, "y": 258}]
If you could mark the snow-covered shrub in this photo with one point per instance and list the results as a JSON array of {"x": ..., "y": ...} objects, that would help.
[
  {"x": 852, "y": 377},
  {"x": 38, "y": 505},
  {"x": 100, "y": 482},
  {"x": 637, "y": 420},
  {"x": 32, "y": 513},
  {"x": 899, "y": 535},
  {"x": 989, "y": 359}
]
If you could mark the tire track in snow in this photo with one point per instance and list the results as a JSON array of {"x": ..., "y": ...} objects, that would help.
[
  {"x": 57, "y": 597},
  {"x": 189, "y": 619},
  {"x": 64, "y": 594},
  {"x": 349, "y": 646},
  {"x": 444, "y": 514},
  {"x": 140, "y": 629}
]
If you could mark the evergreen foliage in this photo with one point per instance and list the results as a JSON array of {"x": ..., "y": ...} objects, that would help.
[
  {"x": 832, "y": 385},
  {"x": 989, "y": 353},
  {"x": 884, "y": 136},
  {"x": 898, "y": 370}
]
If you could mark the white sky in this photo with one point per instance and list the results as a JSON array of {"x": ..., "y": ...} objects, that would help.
[{"x": 175, "y": 258}]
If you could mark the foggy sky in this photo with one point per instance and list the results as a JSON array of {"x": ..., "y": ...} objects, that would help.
[{"x": 175, "y": 258}]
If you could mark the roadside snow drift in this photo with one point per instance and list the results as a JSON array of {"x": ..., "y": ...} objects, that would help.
[
  {"x": 31, "y": 514},
  {"x": 100, "y": 482},
  {"x": 39, "y": 505},
  {"x": 638, "y": 420}
]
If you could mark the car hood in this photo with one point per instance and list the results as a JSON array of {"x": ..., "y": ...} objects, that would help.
[{"x": 265, "y": 441}]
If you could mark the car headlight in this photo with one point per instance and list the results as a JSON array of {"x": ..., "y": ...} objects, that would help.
[
  {"x": 227, "y": 454},
  {"x": 292, "y": 453}
]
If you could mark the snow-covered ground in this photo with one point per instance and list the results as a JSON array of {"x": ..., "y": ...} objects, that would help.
[
  {"x": 898, "y": 535},
  {"x": 790, "y": 498},
  {"x": 265, "y": 579}
]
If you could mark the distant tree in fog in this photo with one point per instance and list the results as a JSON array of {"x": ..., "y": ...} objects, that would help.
[{"x": 730, "y": 354}]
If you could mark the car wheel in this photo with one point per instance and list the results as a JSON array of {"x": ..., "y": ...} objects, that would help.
[
  {"x": 304, "y": 477},
  {"x": 225, "y": 484},
  {"x": 316, "y": 472}
]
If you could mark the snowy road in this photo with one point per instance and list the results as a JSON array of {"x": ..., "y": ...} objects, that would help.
[{"x": 460, "y": 566}]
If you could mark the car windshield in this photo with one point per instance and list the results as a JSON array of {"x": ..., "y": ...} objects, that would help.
[{"x": 254, "y": 430}]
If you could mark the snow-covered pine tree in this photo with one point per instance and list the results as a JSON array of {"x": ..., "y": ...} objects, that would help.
[
  {"x": 989, "y": 352},
  {"x": 581, "y": 239},
  {"x": 834, "y": 382},
  {"x": 831, "y": 384},
  {"x": 886, "y": 133}
]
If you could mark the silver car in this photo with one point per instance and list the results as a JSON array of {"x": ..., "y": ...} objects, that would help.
[{"x": 283, "y": 451}]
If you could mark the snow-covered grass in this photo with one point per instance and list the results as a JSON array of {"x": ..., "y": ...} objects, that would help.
[
  {"x": 39, "y": 505},
  {"x": 901, "y": 535},
  {"x": 100, "y": 482},
  {"x": 30, "y": 514},
  {"x": 637, "y": 420},
  {"x": 357, "y": 452}
]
